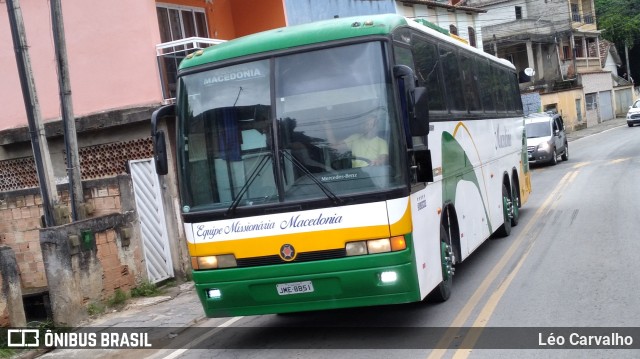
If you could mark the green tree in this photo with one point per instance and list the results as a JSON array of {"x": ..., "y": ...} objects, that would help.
[{"x": 619, "y": 21}]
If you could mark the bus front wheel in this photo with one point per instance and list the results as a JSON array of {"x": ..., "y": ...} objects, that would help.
[{"x": 447, "y": 258}]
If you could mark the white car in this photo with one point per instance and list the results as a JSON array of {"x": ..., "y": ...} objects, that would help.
[
  {"x": 633, "y": 115},
  {"x": 546, "y": 138}
]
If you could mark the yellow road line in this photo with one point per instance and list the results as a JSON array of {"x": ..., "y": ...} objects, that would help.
[
  {"x": 492, "y": 303},
  {"x": 581, "y": 164},
  {"x": 620, "y": 160},
  {"x": 465, "y": 313}
]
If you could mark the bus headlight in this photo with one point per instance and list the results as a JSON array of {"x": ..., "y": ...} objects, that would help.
[
  {"x": 356, "y": 248},
  {"x": 379, "y": 246},
  {"x": 373, "y": 246},
  {"x": 214, "y": 262}
]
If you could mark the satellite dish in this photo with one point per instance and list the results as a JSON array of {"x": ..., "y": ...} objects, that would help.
[{"x": 529, "y": 71}]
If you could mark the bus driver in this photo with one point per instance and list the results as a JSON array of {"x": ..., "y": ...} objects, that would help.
[{"x": 367, "y": 148}]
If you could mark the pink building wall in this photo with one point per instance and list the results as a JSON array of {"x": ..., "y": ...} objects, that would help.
[{"x": 111, "y": 50}]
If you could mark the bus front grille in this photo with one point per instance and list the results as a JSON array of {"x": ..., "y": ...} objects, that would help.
[{"x": 302, "y": 257}]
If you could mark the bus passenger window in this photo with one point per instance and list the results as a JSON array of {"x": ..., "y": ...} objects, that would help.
[
  {"x": 428, "y": 72},
  {"x": 470, "y": 78},
  {"x": 453, "y": 83}
]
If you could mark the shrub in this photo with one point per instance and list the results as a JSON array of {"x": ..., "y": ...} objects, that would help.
[{"x": 145, "y": 289}]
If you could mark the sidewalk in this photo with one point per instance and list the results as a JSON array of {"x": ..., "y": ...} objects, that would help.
[
  {"x": 177, "y": 310},
  {"x": 603, "y": 126}
]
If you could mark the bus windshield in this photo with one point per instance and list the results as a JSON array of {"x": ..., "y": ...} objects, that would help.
[{"x": 320, "y": 127}]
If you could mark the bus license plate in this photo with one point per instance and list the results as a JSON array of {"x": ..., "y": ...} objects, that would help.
[{"x": 294, "y": 288}]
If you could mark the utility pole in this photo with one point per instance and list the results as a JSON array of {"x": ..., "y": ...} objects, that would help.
[
  {"x": 36, "y": 129},
  {"x": 76, "y": 195},
  {"x": 626, "y": 55}
]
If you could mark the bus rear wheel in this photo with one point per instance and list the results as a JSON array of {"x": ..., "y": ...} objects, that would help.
[
  {"x": 447, "y": 259},
  {"x": 507, "y": 204},
  {"x": 515, "y": 203}
]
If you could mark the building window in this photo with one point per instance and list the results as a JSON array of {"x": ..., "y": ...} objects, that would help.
[
  {"x": 592, "y": 45},
  {"x": 577, "y": 47},
  {"x": 588, "y": 18},
  {"x": 177, "y": 23},
  {"x": 566, "y": 52},
  {"x": 591, "y": 100},
  {"x": 575, "y": 13},
  {"x": 453, "y": 29},
  {"x": 518, "y": 12}
]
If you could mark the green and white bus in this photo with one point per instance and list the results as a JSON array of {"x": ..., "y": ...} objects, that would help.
[{"x": 284, "y": 212}]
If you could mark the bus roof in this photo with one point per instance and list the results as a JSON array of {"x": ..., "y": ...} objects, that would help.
[
  {"x": 298, "y": 35},
  {"x": 318, "y": 32}
]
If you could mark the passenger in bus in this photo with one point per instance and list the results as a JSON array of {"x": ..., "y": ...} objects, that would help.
[{"x": 367, "y": 147}]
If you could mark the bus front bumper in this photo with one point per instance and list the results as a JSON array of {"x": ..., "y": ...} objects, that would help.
[{"x": 337, "y": 283}]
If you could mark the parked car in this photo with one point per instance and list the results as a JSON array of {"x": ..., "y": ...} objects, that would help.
[
  {"x": 633, "y": 115},
  {"x": 546, "y": 138}
]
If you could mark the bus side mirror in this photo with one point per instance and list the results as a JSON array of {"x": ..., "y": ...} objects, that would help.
[
  {"x": 160, "y": 153},
  {"x": 159, "y": 139},
  {"x": 418, "y": 109}
]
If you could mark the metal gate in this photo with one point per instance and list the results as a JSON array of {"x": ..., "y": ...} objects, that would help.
[
  {"x": 624, "y": 99},
  {"x": 606, "y": 106},
  {"x": 155, "y": 242}
]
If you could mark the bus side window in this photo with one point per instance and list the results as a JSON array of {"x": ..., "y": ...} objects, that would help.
[
  {"x": 451, "y": 70},
  {"x": 487, "y": 98},
  {"x": 470, "y": 80},
  {"x": 428, "y": 72},
  {"x": 506, "y": 88},
  {"x": 497, "y": 88}
]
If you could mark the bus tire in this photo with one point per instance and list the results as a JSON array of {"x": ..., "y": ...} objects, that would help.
[
  {"x": 515, "y": 202},
  {"x": 443, "y": 291},
  {"x": 505, "y": 229}
]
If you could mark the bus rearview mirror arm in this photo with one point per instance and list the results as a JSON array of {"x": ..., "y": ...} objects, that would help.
[
  {"x": 159, "y": 139},
  {"x": 423, "y": 168}
]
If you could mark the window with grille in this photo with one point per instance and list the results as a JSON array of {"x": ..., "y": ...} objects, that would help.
[
  {"x": 518, "y": 12},
  {"x": 575, "y": 13},
  {"x": 591, "y": 100},
  {"x": 177, "y": 23}
]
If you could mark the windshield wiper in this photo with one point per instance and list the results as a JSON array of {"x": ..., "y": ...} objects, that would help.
[
  {"x": 245, "y": 188},
  {"x": 332, "y": 196}
]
